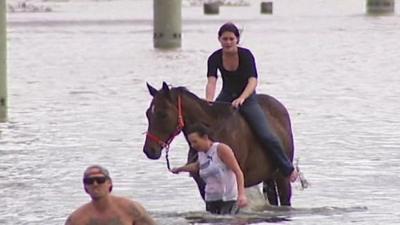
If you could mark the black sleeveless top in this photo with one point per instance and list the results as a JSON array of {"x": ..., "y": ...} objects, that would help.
[{"x": 234, "y": 82}]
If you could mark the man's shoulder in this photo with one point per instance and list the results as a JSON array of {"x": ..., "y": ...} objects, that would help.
[
  {"x": 122, "y": 200},
  {"x": 131, "y": 207},
  {"x": 79, "y": 215},
  {"x": 134, "y": 210},
  {"x": 125, "y": 203}
]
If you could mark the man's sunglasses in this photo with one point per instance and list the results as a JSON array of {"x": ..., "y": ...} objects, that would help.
[{"x": 91, "y": 180}]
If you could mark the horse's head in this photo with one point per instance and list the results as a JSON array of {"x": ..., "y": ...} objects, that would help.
[{"x": 163, "y": 123}]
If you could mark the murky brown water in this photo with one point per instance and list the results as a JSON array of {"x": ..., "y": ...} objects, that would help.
[{"x": 78, "y": 96}]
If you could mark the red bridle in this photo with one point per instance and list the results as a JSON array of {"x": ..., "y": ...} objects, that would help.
[{"x": 179, "y": 128}]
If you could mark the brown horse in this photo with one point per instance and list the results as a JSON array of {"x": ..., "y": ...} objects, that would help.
[{"x": 174, "y": 109}]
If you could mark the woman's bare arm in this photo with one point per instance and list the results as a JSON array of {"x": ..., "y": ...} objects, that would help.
[{"x": 210, "y": 88}]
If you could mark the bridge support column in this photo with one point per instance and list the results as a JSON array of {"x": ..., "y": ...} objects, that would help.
[
  {"x": 380, "y": 6},
  {"x": 167, "y": 23},
  {"x": 211, "y": 8},
  {"x": 266, "y": 7},
  {"x": 3, "y": 62}
]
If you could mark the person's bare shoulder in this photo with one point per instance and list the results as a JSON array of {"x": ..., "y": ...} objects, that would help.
[
  {"x": 78, "y": 216},
  {"x": 136, "y": 211},
  {"x": 224, "y": 147}
]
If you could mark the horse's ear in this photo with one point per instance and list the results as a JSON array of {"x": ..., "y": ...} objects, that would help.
[
  {"x": 152, "y": 90},
  {"x": 165, "y": 87}
]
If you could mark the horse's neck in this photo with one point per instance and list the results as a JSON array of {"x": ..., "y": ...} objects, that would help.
[
  {"x": 196, "y": 112},
  {"x": 215, "y": 116}
]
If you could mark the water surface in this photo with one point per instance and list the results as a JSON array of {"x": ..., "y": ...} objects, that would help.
[{"x": 77, "y": 96}]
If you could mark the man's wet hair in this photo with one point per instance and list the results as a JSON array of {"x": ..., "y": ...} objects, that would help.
[{"x": 101, "y": 170}]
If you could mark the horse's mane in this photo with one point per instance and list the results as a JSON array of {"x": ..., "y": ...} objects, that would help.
[{"x": 216, "y": 108}]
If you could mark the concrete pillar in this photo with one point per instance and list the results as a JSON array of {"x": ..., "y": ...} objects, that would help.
[
  {"x": 266, "y": 7},
  {"x": 3, "y": 62},
  {"x": 211, "y": 8},
  {"x": 167, "y": 23},
  {"x": 380, "y": 6}
]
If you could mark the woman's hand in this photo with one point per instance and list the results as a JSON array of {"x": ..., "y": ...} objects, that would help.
[
  {"x": 242, "y": 201},
  {"x": 238, "y": 102}
]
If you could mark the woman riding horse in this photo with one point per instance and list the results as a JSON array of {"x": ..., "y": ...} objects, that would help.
[{"x": 239, "y": 75}]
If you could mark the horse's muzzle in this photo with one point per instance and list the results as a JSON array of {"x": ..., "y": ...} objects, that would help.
[{"x": 152, "y": 153}]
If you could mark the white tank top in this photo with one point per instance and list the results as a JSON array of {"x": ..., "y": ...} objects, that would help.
[{"x": 220, "y": 181}]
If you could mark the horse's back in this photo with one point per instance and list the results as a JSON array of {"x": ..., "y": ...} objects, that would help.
[{"x": 273, "y": 106}]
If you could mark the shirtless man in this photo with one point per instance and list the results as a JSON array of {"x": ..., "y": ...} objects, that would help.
[{"x": 106, "y": 209}]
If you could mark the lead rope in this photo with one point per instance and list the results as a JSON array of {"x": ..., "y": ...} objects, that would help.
[
  {"x": 181, "y": 124},
  {"x": 167, "y": 159}
]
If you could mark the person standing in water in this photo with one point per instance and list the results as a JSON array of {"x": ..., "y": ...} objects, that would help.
[
  {"x": 105, "y": 208},
  {"x": 218, "y": 167}
]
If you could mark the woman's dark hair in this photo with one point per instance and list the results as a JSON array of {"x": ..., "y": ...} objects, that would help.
[
  {"x": 229, "y": 27},
  {"x": 200, "y": 129}
]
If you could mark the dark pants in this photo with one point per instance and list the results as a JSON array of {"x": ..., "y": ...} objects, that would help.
[
  {"x": 221, "y": 207},
  {"x": 255, "y": 117}
]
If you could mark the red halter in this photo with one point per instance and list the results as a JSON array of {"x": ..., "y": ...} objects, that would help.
[{"x": 179, "y": 128}]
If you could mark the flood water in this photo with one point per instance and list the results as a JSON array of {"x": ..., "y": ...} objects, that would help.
[{"x": 77, "y": 95}]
